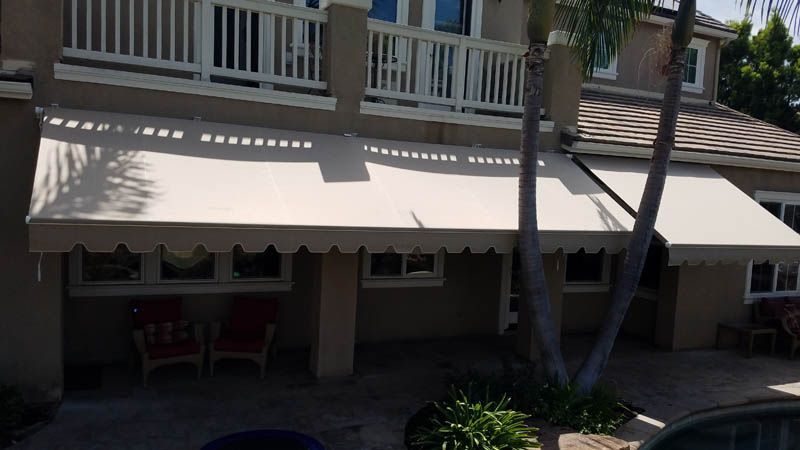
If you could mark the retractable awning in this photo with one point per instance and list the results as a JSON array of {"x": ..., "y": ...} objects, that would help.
[
  {"x": 703, "y": 218},
  {"x": 105, "y": 179}
]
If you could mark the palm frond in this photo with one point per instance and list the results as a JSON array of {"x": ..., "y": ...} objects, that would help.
[
  {"x": 599, "y": 29},
  {"x": 789, "y": 10}
]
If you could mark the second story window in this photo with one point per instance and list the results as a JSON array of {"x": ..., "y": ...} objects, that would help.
[
  {"x": 605, "y": 66},
  {"x": 695, "y": 66}
]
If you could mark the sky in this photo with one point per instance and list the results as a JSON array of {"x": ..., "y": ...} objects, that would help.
[{"x": 724, "y": 10}]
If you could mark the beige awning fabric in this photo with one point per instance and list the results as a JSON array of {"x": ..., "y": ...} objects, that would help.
[
  {"x": 103, "y": 179},
  {"x": 703, "y": 218}
]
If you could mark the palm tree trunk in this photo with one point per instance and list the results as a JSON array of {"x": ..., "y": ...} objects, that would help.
[
  {"x": 594, "y": 364},
  {"x": 533, "y": 283}
]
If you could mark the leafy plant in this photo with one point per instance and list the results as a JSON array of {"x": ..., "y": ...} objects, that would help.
[
  {"x": 599, "y": 412},
  {"x": 461, "y": 423}
]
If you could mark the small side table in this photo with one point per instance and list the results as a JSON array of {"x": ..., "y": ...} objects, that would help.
[{"x": 747, "y": 333}]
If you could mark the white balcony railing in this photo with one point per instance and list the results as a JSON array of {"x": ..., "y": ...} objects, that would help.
[
  {"x": 251, "y": 40},
  {"x": 430, "y": 67}
]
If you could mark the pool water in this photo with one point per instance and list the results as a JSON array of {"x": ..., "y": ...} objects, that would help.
[{"x": 762, "y": 427}]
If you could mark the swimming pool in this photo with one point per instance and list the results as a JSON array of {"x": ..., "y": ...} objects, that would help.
[{"x": 763, "y": 426}]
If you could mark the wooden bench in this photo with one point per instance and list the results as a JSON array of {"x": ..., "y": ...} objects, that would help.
[{"x": 747, "y": 333}]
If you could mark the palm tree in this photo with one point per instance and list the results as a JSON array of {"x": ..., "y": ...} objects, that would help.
[
  {"x": 600, "y": 28},
  {"x": 596, "y": 27},
  {"x": 643, "y": 228}
]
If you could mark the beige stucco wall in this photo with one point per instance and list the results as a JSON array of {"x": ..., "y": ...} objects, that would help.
[
  {"x": 30, "y": 310},
  {"x": 499, "y": 18},
  {"x": 696, "y": 298},
  {"x": 467, "y": 303},
  {"x": 639, "y": 68}
]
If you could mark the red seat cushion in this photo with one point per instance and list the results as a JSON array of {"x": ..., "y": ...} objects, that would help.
[
  {"x": 250, "y": 316},
  {"x": 155, "y": 311},
  {"x": 772, "y": 307},
  {"x": 246, "y": 345},
  {"x": 158, "y": 351}
]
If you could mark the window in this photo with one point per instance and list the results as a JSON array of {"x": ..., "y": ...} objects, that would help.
[
  {"x": 453, "y": 16},
  {"x": 777, "y": 278},
  {"x": 695, "y": 66},
  {"x": 384, "y": 10},
  {"x": 414, "y": 269},
  {"x": 195, "y": 265},
  {"x": 122, "y": 272},
  {"x": 119, "y": 266},
  {"x": 586, "y": 268},
  {"x": 395, "y": 11},
  {"x": 265, "y": 265},
  {"x": 605, "y": 66},
  {"x": 587, "y": 272}
]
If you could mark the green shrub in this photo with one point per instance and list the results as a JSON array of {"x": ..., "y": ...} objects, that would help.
[
  {"x": 461, "y": 423},
  {"x": 601, "y": 412},
  {"x": 12, "y": 408}
]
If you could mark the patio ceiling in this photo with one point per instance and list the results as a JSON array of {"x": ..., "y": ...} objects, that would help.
[
  {"x": 703, "y": 218},
  {"x": 103, "y": 179}
]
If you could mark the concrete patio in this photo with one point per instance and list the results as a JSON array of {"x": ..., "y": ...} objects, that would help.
[{"x": 392, "y": 381}]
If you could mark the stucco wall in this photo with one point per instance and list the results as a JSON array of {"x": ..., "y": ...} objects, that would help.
[
  {"x": 696, "y": 298},
  {"x": 30, "y": 310},
  {"x": 639, "y": 68},
  {"x": 467, "y": 304}
]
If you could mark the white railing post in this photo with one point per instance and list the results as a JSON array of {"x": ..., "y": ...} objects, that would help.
[
  {"x": 207, "y": 45},
  {"x": 460, "y": 73}
]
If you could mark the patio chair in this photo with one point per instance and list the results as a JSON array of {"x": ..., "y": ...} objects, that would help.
[
  {"x": 249, "y": 335},
  {"x": 163, "y": 338},
  {"x": 791, "y": 330}
]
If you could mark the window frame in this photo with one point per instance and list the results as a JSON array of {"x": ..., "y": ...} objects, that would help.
[
  {"x": 226, "y": 260},
  {"x": 152, "y": 284},
  {"x": 160, "y": 280},
  {"x": 604, "y": 285},
  {"x": 403, "y": 280},
  {"x": 697, "y": 87},
  {"x": 76, "y": 269},
  {"x": 784, "y": 198},
  {"x": 609, "y": 73}
]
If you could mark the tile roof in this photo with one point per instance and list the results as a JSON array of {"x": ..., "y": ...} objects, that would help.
[
  {"x": 701, "y": 18},
  {"x": 714, "y": 129}
]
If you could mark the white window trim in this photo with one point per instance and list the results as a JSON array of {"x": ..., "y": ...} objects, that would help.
[
  {"x": 697, "y": 87},
  {"x": 436, "y": 279},
  {"x": 76, "y": 271},
  {"x": 609, "y": 73},
  {"x": 151, "y": 283},
  {"x": 775, "y": 197},
  {"x": 476, "y": 19},
  {"x": 575, "y": 287}
]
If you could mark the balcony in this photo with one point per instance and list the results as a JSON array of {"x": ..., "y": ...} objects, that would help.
[
  {"x": 273, "y": 52},
  {"x": 410, "y": 67}
]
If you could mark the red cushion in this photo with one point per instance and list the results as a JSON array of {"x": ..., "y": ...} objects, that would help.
[
  {"x": 771, "y": 307},
  {"x": 157, "y": 351},
  {"x": 155, "y": 311},
  {"x": 229, "y": 344},
  {"x": 250, "y": 316}
]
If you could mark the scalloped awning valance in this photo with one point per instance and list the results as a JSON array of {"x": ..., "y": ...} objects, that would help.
[
  {"x": 704, "y": 218},
  {"x": 103, "y": 179}
]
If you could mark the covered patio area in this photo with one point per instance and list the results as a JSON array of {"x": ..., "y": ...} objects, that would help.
[{"x": 369, "y": 409}]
